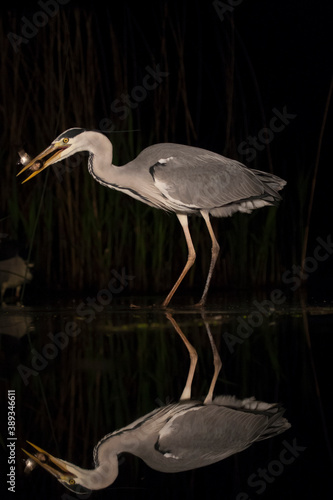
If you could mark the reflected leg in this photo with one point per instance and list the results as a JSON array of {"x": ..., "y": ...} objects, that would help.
[
  {"x": 217, "y": 363},
  {"x": 186, "y": 394}
]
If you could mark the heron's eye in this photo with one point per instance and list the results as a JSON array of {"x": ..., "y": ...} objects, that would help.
[
  {"x": 65, "y": 140},
  {"x": 71, "y": 481}
]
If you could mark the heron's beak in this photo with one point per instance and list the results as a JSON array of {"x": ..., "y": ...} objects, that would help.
[
  {"x": 60, "y": 472},
  {"x": 58, "y": 147}
]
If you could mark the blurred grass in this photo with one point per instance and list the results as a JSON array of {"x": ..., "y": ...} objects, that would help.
[{"x": 68, "y": 75}]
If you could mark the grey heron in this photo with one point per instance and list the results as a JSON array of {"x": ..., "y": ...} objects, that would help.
[
  {"x": 176, "y": 437},
  {"x": 173, "y": 177}
]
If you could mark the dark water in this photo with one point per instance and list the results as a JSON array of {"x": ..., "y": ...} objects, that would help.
[{"x": 80, "y": 370}]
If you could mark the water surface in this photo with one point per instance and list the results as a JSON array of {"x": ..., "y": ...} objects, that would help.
[{"x": 81, "y": 369}]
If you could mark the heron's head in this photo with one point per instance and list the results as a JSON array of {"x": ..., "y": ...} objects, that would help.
[
  {"x": 80, "y": 481},
  {"x": 66, "y": 144}
]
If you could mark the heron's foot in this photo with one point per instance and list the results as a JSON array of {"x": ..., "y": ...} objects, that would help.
[
  {"x": 151, "y": 306},
  {"x": 201, "y": 304},
  {"x": 134, "y": 306}
]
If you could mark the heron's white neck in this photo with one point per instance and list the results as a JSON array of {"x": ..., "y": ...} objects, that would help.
[
  {"x": 100, "y": 477},
  {"x": 101, "y": 150},
  {"x": 100, "y": 164},
  {"x": 133, "y": 178}
]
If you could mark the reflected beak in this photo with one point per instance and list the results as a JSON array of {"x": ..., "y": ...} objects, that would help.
[
  {"x": 57, "y": 147},
  {"x": 60, "y": 472}
]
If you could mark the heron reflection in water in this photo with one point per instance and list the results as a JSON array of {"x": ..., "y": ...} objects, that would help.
[
  {"x": 177, "y": 437},
  {"x": 176, "y": 178}
]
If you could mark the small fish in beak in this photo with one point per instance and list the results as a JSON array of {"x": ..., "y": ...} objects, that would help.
[
  {"x": 30, "y": 464},
  {"x": 25, "y": 158},
  {"x": 46, "y": 460}
]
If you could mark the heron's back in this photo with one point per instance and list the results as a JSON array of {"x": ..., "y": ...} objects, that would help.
[
  {"x": 193, "y": 179},
  {"x": 199, "y": 435}
]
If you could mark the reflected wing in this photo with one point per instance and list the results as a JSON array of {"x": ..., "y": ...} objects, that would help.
[{"x": 207, "y": 434}]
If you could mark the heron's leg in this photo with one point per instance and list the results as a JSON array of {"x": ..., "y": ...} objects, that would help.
[
  {"x": 217, "y": 364},
  {"x": 186, "y": 394},
  {"x": 215, "y": 253},
  {"x": 190, "y": 259}
]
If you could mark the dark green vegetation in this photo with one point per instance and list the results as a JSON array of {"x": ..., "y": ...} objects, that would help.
[{"x": 77, "y": 71}]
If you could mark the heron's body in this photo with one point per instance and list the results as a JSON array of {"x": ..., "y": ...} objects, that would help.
[
  {"x": 184, "y": 179},
  {"x": 175, "y": 438},
  {"x": 191, "y": 434},
  {"x": 173, "y": 177}
]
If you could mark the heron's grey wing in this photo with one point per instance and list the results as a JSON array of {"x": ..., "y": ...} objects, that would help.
[
  {"x": 201, "y": 180},
  {"x": 206, "y": 434}
]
